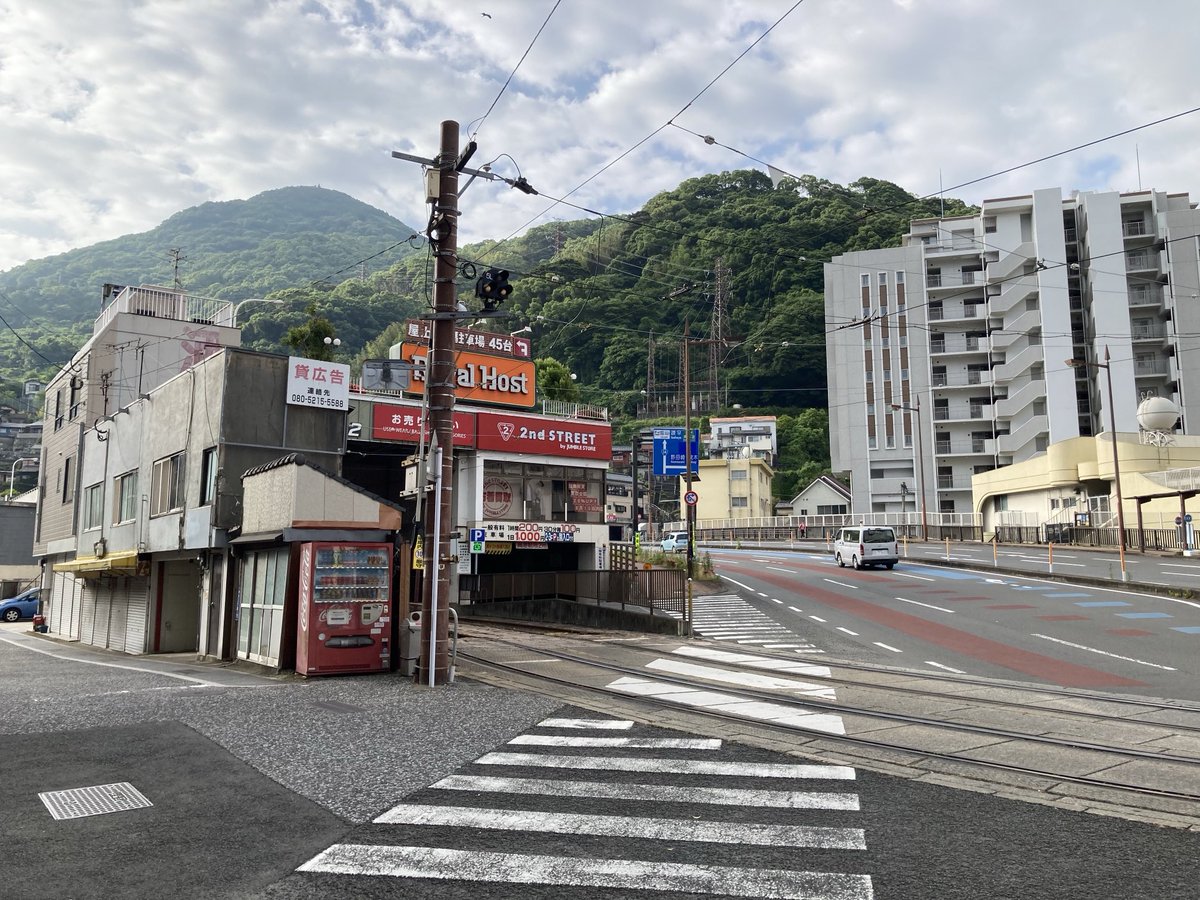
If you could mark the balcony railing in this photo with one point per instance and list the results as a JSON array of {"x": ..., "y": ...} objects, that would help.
[
  {"x": 1134, "y": 228},
  {"x": 1148, "y": 332},
  {"x": 962, "y": 411},
  {"x": 964, "y": 447},
  {"x": 1138, "y": 261},
  {"x": 164, "y": 303},
  {"x": 957, "y": 344},
  {"x": 1151, "y": 367},
  {"x": 1145, "y": 295},
  {"x": 962, "y": 379}
]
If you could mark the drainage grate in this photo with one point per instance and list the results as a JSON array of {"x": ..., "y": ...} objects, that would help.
[{"x": 93, "y": 801}]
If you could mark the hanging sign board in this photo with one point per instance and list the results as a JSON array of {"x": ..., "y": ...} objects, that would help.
[{"x": 479, "y": 378}]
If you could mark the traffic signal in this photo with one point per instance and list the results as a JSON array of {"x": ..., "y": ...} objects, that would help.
[{"x": 493, "y": 288}]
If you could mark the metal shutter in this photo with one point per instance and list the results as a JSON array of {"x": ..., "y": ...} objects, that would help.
[{"x": 137, "y": 614}]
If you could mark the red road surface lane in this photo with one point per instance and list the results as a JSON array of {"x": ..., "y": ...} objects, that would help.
[{"x": 1023, "y": 661}]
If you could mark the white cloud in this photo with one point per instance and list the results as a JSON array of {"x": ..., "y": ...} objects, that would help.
[{"x": 119, "y": 115}]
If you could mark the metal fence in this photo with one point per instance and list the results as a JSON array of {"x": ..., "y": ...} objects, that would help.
[{"x": 651, "y": 590}]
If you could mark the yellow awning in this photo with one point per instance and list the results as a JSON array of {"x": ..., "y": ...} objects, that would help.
[{"x": 121, "y": 562}]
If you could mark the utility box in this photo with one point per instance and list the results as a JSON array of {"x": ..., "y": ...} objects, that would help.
[{"x": 410, "y": 643}]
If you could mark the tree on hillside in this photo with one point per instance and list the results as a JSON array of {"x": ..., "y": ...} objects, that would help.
[{"x": 309, "y": 339}]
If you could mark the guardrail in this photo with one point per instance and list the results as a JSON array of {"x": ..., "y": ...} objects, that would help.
[{"x": 654, "y": 590}]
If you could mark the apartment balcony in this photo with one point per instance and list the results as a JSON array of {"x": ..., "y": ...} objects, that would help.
[
  {"x": 954, "y": 482},
  {"x": 965, "y": 447},
  {"x": 953, "y": 280},
  {"x": 952, "y": 248},
  {"x": 1156, "y": 333},
  {"x": 164, "y": 303},
  {"x": 957, "y": 343},
  {"x": 962, "y": 412},
  {"x": 964, "y": 312},
  {"x": 1136, "y": 228},
  {"x": 1151, "y": 368},
  {"x": 1141, "y": 261},
  {"x": 1145, "y": 295},
  {"x": 960, "y": 379}
]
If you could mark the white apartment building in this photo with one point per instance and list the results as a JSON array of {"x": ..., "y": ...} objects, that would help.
[{"x": 960, "y": 364}]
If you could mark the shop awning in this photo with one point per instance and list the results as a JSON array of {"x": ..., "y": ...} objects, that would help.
[{"x": 122, "y": 562}]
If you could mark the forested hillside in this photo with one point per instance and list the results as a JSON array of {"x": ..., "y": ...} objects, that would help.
[{"x": 596, "y": 292}]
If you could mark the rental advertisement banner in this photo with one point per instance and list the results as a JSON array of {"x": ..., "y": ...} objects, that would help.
[
  {"x": 548, "y": 437},
  {"x": 479, "y": 378}
]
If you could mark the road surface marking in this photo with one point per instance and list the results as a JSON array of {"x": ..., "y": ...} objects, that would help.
[
  {"x": 842, "y": 584},
  {"x": 816, "y": 618},
  {"x": 847, "y": 630},
  {"x": 744, "y": 679},
  {"x": 781, "y": 569},
  {"x": 740, "y": 706},
  {"x": 562, "y": 740},
  {"x": 926, "y": 605},
  {"x": 527, "y": 868},
  {"x": 657, "y": 793},
  {"x": 938, "y": 665},
  {"x": 668, "y": 766},
  {"x": 794, "y": 609},
  {"x": 604, "y": 724},
  {"x": 887, "y": 647},
  {"x": 910, "y": 575},
  {"x": 639, "y": 827},
  {"x": 1140, "y": 662},
  {"x": 754, "y": 662}
]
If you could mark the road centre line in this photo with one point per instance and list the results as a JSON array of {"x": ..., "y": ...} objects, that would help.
[
  {"x": 1140, "y": 662},
  {"x": 841, "y": 584},
  {"x": 816, "y": 618},
  {"x": 780, "y": 569},
  {"x": 847, "y": 630},
  {"x": 794, "y": 609},
  {"x": 887, "y": 647},
  {"x": 658, "y": 793},
  {"x": 926, "y": 605}
]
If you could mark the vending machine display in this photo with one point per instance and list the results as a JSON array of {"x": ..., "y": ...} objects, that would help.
[{"x": 344, "y": 620}]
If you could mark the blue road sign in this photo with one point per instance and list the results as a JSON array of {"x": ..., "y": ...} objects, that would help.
[
  {"x": 670, "y": 452},
  {"x": 478, "y": 534}
]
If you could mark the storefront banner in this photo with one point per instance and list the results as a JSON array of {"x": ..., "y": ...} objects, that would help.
[
  {"x": 469, "y": 339},
  {"x": 390, "y": 422},
  {"x": 479, "y": 378},
  {"x": 547, "y": 437},
  {"x": 525, "y": 534}
]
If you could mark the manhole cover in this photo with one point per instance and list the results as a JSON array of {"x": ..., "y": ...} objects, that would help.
[{"x": 93, "y": 801}]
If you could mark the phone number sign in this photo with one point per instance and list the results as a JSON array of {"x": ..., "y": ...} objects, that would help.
[{"x": 314, "y": 382}]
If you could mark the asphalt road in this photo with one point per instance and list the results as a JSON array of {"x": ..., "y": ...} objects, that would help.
[
  {"x": 975, "y": 621},
  {"x": 280, "y": 789}
]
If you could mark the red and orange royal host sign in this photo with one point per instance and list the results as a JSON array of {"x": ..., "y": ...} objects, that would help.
[{"x": 479, "y": 378}]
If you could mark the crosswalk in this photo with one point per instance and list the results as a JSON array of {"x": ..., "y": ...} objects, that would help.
[
  {"x": 727, "y": 617},
  {"x": 653, "y": 812}
]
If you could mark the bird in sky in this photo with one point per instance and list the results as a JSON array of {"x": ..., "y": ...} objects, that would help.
[{"x": 488, "y": 15}]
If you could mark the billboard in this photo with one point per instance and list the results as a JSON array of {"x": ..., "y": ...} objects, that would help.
[
  {"x": 479, "y": 378},
  {"x": 313, "y": 382},
  {"x": 546, "y": 437},
  {"x": 390, "y": 422},
  {"x": 469, "y": 339}
]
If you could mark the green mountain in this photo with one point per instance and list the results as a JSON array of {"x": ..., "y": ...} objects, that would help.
[
  {"x": 230, "y": 250},
  {"x": 596, "y": 293}
]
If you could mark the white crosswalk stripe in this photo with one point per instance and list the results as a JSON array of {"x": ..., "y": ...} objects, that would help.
[
  {"x": 727, "y": 617},
  {"x": 592, "y": 820}
]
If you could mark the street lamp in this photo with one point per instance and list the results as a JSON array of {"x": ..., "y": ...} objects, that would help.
[
  {"x": 12, "y": 472},
  {"x": 916, "y": 408},
  {"x": 1112, "y": 428},
  {"x": 251, "y": 300}
]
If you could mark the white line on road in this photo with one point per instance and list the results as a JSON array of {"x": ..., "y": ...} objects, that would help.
[
  {"x": 781, "y": 569},
  {"x": 910, "y": 575},
  {"x": 780, "y": 602},
  {"x": 816, "y": 618},
  {"x": 842, "y": 584},
  {"x": 847, "y": 630},
  {"x": 527, "y": 868},
  {"x": 754, "y": 662},
  {"x": 743, "y": 679},
  {"x": 926, "y": 605},
  {"x": 562, "y": 740},
  {"x": 887, "y": 647},
  {"x": 603, "y": 724},
  {"x": 640, "y": 827},
  {"x": 938, "y": 665},
  {"x": 669, "y": 766},
  {"x": 656, "y": 793},
  {"x": 794, "y": 609},
  {"x": 200, "y": 682},
  {"x": 1140, "y": 662}
]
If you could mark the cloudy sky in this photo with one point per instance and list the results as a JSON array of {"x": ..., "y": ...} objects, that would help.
[{"x": 118, "y": 113}]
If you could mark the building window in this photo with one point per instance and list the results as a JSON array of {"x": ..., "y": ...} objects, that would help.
[
  {"x": 208, "y": 476},
  {"x": 68, "y": 480},
  {"x": 739, "y": 502},
  {"x": 125, "y": 498},
  {"x": 260, "y": 626},
  {"x": 738, "y": 475},
  {"x": 883, "y": 278},
  {"x": 58, "y": 413},
  {"x": 899, "y": 278},
  {"x": 166, "y": 485},
  {"x": 865, "y": 280},
  {"x": 1001, "y": 502},
  {"x": 93, "y": 512}
]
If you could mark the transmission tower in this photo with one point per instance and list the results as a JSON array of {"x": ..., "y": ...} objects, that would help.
[{"x": 176, "y": 256}]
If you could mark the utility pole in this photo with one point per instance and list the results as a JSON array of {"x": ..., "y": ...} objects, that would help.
[{"x": 433, "y": 668}]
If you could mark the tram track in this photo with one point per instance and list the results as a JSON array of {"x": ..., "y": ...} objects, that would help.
[{"x": 1162, "y": 774}]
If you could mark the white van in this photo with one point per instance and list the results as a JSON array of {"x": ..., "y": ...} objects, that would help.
[
  {"x": 675, "y": 542},
  {"x": 866, "y": 545}
]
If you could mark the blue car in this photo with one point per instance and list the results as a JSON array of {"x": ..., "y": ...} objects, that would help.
[{"x": 22, "y": 606}]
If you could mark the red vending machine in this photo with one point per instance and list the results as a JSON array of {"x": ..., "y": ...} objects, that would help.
[{"x": 344, "y": 621}]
